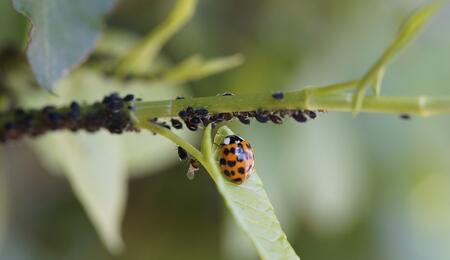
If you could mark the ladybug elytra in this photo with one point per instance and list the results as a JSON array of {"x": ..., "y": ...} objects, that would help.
[{"x": 236, "y": 159}]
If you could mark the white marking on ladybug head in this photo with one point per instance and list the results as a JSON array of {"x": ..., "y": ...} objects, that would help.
[{"x": 226, "y": 140}]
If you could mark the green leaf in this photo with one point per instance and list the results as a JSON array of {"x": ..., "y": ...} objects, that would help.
[
  {"x": 406, "y": 34},
  {"x": 249, "y": 205},
  {"x": 98, "y": 178},
  {"x": 140, "y": 59},
  {"x": 63, "y": 34},
  {"x": 12, "y": 25},
  {"x": 196, "y": 67}
]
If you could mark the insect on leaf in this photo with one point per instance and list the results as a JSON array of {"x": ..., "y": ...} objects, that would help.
[{"x": 249, "y": 205}]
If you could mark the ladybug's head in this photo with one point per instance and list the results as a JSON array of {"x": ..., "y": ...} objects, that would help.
[{"x": 232, "y": 139}]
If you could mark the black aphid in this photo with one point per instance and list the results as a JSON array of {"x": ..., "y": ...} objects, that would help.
[
  {"x": 201, "y": 112},
  {"x": 176, "y": 123},
  {"x": 278, "y": 95},
  {"x": 182, "y": 154},
  {"x": 405, "y": 116},
  {"x": 128, "y": 98}
]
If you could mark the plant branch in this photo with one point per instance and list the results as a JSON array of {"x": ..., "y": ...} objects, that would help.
[
  {"x": 310, "y": 99},
  {"x": 155, "y": 128}
]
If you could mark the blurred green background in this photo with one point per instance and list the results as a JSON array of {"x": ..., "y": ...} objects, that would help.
[{"x": 373, "y": 187}]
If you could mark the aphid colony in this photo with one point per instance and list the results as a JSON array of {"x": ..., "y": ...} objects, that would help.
[
  {"x": 110, "y": 114},
  {"x": 194, "y": 118}
]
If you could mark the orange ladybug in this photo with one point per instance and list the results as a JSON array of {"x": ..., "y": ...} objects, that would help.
[{"x": 236, "y": 159}]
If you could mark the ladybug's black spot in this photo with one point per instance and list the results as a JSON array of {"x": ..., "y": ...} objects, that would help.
[
  {"x": 231, "y": 163},
  {"x": 240, "y": 145},
  {"x": 227, "y": 173},
  {"x": 248, "y": 146},
  {"x": 232, "y": 173},
  {"x": 232, "y": 150},
  {"x": 223, "y": 161},
  {"x": 240, "y": 157},
  {"x": 241, "y": 170},
  {"x": 226, "y": 151}
]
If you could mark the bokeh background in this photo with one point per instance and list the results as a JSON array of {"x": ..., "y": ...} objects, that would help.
[{"x": 371, "y": 187}]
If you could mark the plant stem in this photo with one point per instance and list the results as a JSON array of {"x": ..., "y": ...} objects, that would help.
[
  {"x": 304, "y": 99},
  {"x": 144, "y": 124}
]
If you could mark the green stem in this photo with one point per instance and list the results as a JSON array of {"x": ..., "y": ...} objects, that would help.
[
  {"x": 145, "y": 124},
  {"x": 303, "y": 99}
]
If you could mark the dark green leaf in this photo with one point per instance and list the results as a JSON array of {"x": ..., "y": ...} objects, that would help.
[{"x": 63, "y": 34}]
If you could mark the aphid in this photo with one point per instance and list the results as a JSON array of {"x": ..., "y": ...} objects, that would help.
[
  {"x": 194, "y": 166},
  {"x": 190, "y": 110},
  {"x": 261, "y": 116},
  {"x": 236, "y": 159},
  {"x": 191, "y": 127},
  {"x": 244, "y": 119},
  {"x": 182, "y": 154},
  {"x": 275, "y": 119},
  {"x": 227, "y": 94},
  {"x": 226, "y": 116},
  {"x": 205, "y": 121},
  {"x": 164, "y": 124},
  {"x": 128, "y": 98},
  {"x": 278, "y": 95},
  {"x": 75, "y": 111},
  {"x": 195, "y": 121},
  {"x": 405, "y": 116},
  {"x": 299, "y": 116},
  {"x": 311, "y": 114},
  {"x": 176, "y": 123},
  {"x": 182, "y": 114},
  {"x": 201, "y": 112}
]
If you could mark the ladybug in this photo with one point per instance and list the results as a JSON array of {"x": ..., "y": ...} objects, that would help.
[{"x": 236, "y": 159}]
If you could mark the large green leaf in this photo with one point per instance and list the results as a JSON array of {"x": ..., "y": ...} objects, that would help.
[
  {"x": 63, "y": 34},
  {"x": 97, "y": 174},
  {"x": 249, "y": 204}
]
